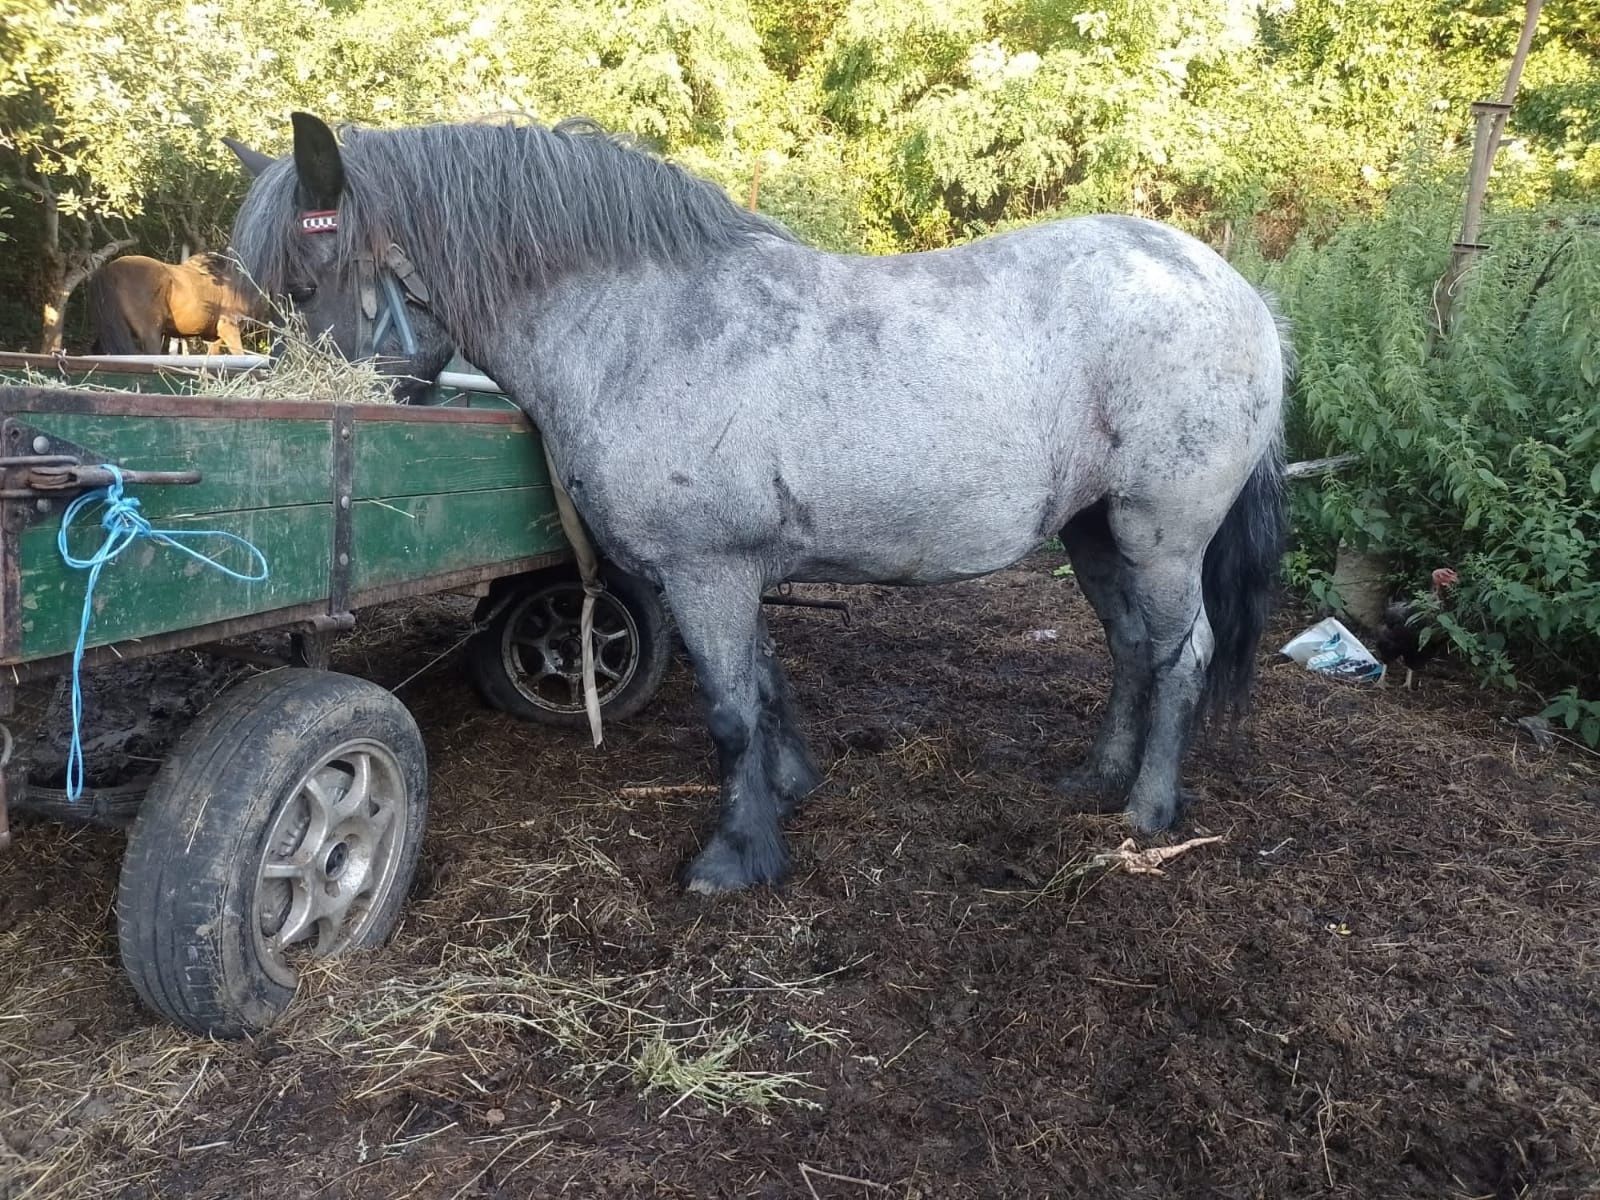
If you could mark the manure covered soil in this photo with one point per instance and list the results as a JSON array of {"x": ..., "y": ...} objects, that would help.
[{"x": 1381, "y": 982}]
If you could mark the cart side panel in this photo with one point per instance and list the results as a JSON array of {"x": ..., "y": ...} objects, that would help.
[
  {"x": 415, "y": 535},
  {"x": 154, "y": 589},
  {"x": 265, "y": 479},
  {"x": 443, "y": 496},
  {"x": 245, "y": 462},
  {"x": 416, "y": 458}
]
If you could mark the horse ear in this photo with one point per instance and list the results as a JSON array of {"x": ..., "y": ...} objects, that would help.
[
  {"x": 317, "y": 161},
  {"x": 254, "y": 161}
]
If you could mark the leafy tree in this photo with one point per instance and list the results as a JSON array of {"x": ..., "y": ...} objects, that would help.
[
  {"x": 103, "y": 107},
  {"x": 1482, "y": 452},
  {"x": 870, "y": 124}
]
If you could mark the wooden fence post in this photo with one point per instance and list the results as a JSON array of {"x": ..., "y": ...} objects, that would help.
[{"x": 1491, "y": 122}]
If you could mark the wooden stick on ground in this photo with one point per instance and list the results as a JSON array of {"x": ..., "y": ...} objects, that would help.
[
  {"x": 658, "y": 790},
  {"x": 807, "y": 1171},
  {"x": 1135, "y": 861}
]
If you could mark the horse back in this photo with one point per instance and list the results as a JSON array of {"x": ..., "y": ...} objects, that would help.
[{"x": 212, "y": 282}]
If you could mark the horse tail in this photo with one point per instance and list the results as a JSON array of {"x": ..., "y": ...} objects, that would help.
[
  {"x": 1240, "y": 572},
  {"x": 111, "y": 332},
  {"x": 1237, "y": 580}
]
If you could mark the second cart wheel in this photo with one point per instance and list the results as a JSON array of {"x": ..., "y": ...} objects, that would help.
[
  {"x": 528, "y": 661},
  {"x": 285, "y": 825}
]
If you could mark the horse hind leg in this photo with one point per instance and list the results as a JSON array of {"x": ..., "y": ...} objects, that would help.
[
  {"x": 718, "y": 611},
  {"x": 1102, "y": 781},
  {"x": 149, "y": 333},
  {"x": 1165, "y": 574}
]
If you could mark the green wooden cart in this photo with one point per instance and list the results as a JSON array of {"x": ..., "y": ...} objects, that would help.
[{"x": 287, "y": 818}]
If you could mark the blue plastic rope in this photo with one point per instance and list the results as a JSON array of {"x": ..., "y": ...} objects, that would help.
[{"x": 125, "y": 524}]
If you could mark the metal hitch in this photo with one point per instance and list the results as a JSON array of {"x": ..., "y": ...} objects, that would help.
[{"x": 52, "y": 476}]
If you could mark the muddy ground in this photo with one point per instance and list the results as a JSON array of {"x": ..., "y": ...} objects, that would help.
[{"x": 1382, "y": 982}]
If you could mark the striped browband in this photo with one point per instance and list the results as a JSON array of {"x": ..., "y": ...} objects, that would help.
[{"x": 325, "y": 221}]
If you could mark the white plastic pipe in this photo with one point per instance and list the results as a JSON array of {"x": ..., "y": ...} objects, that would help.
[
  {"x": 466, "y": 381},
  {"x": 190, "y": 362}
]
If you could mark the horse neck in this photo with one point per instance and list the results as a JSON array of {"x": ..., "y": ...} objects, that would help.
[
  {"x": 208, "y": 277},
  {"x": 560, "y": 348},
  {"x": 546, "y": 346}
]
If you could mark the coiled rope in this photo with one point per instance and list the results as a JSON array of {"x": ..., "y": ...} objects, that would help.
[{"x": 125, "y": 524}]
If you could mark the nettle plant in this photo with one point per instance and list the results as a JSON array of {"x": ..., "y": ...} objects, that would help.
[{"x": 1480, "y": 449}]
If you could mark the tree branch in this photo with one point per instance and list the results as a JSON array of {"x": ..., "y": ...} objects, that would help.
[
  {"x": 32, "y": 186},
  {"x": 1319, "y": 466},
  {"x": 197, "y": 244},
  {"x": 89, "y": 264},
  {"x": 1543, "y": 277}
]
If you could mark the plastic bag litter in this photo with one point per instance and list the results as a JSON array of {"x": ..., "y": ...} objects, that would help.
[{"x": 1328, "y": 648}]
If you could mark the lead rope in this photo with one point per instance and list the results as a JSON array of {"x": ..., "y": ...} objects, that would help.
[
  {"x": 125, "y": 524},
  {"x": 589, "y": 572}
]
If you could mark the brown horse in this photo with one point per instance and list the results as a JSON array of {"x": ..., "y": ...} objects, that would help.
[{"x": 137, "y": 303}]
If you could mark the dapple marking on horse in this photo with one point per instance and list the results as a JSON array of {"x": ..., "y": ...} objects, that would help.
[
  {"x": 136, "y": 303},
  {"x": 730, "y": 409}
]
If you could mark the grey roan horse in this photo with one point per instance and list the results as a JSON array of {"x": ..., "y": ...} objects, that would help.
[{"x": 730, "y": 409}]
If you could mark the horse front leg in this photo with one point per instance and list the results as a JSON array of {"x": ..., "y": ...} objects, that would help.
[
  {"x": 229, "y": 334},
  {"x": 791, "y": 769},
  {"x": 718, "y": 611}
]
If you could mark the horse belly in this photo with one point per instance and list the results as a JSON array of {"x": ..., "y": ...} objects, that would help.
[{"x": 930, "y": 531}]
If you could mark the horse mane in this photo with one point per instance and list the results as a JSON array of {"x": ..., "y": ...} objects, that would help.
[
  {"x": 221, "y": 267},
  {"x": 485, "y": 209},
  {"x": 238, "y": 293}
]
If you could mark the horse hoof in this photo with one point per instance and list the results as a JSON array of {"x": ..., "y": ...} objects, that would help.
[
  {"x": 1150, "y": 819},
  {"x": 1088, "y": 790},
  {"x": 1156, "y": 816},
  {"x": 792, "y": 771},
  {"x": 723, "y": 867},
  {"x": 795, "y": 786}
]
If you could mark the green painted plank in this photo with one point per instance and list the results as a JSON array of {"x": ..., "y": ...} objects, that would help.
[
  {"x": 409, "y": 536},
  {"x": 154, "y": 589},
  {"x": 244, "y": 463},
  {"x": 402, "y": 458}
]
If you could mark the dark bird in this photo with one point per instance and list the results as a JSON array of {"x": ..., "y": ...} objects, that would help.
[{"x": 1400, "y": 633}]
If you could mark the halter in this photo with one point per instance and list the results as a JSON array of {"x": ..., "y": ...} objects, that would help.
[{"x": 375, "y": 282}]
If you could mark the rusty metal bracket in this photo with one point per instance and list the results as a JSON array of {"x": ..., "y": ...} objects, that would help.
[
  {"x": 47, "y": 477},
  {"x": 339, "y": 622},
  {"x": 343, "y": 482},
  {"x": 39, "y": 460},
  {"x": 311, "y": 642},
  {"x": 35, "y": 465}
]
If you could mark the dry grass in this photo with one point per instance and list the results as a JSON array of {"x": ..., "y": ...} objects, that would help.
[
  {"x": 62, "y": 1116},
  {"x": 461, "y": 1023},
  {"x": 704, "y": 1067},
  {"x": 307, "y": 369},
  {"x": 73, "y": 1124},
  {"x": 1379, "y": 985}
]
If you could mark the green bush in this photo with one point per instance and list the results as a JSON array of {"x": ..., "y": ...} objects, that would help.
[{"x": 1479, "y": 450}]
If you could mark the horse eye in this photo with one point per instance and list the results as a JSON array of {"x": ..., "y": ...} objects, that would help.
[{"x": 302, "y": 292}]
